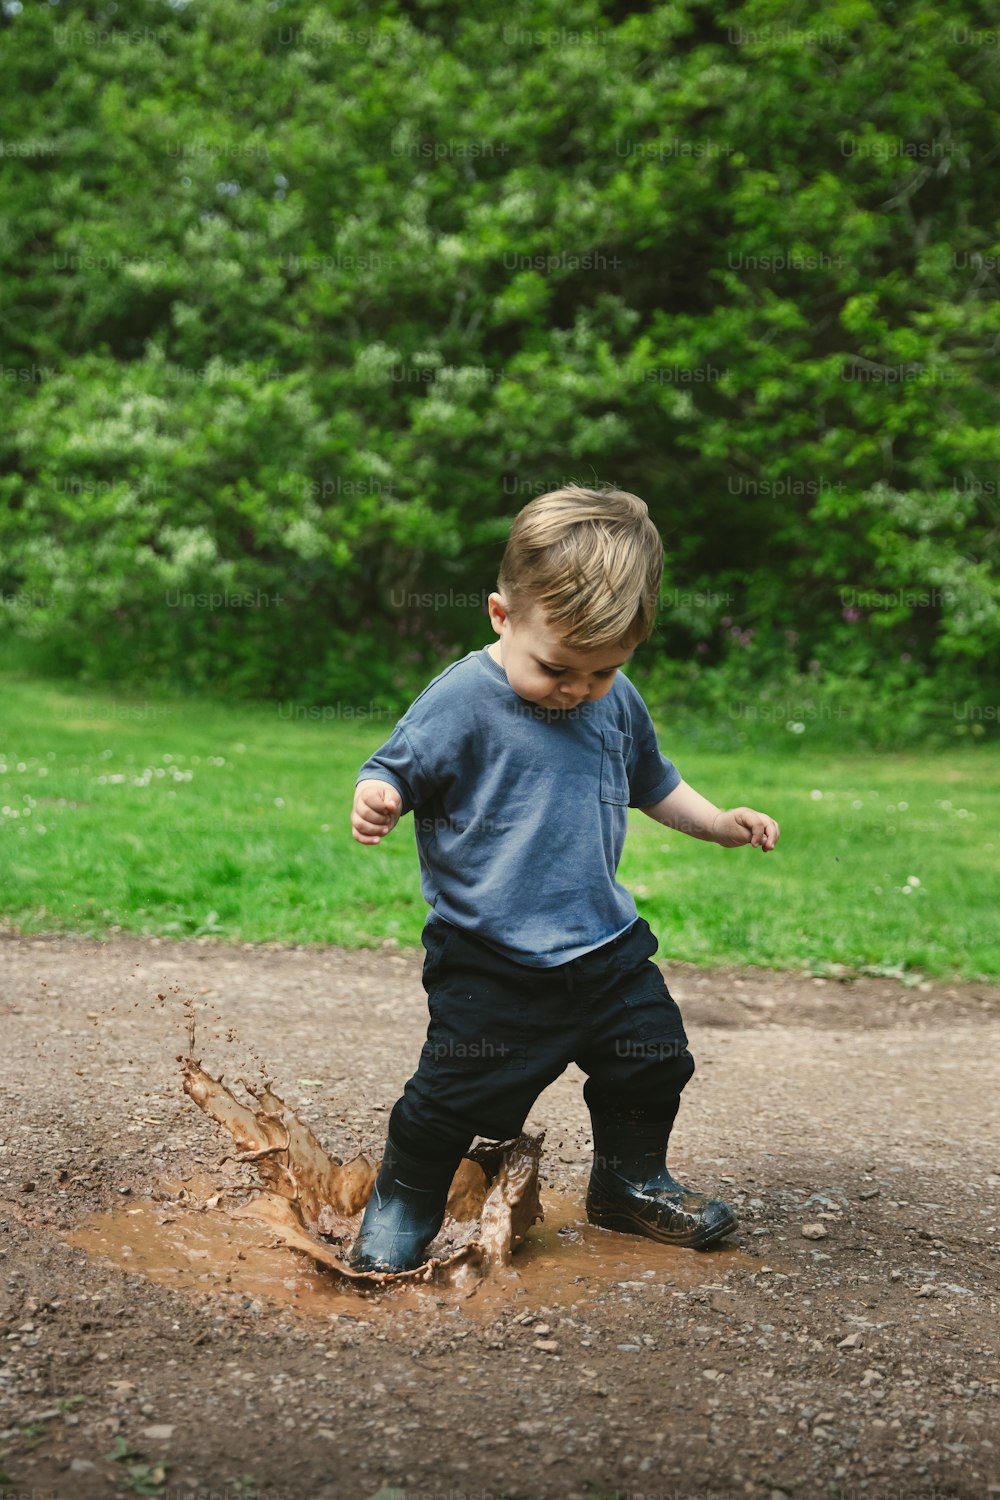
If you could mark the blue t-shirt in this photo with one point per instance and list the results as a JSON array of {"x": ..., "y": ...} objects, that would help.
[{"x": 520, "y": 811}]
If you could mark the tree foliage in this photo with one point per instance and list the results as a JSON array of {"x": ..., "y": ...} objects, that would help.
[{"x": 302, "y": 302}]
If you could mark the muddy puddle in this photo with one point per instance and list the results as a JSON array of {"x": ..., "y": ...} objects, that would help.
[
  {"x": 282, "y": 1236},
  {"x": 193, "y": 1244}
]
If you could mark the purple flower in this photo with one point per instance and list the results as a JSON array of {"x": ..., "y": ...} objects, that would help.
[{"x": 851, "y": 614}]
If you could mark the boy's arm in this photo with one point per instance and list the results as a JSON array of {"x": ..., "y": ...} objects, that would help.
[
  {"x": 689, "y": 812},
  {"x": 391, "y": 783}
]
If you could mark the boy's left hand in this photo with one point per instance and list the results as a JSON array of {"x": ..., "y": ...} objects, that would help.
[{"x": 741, "y": 825}]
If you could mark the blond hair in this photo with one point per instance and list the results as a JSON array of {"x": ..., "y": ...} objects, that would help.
[{"x": 592, "y": 560}]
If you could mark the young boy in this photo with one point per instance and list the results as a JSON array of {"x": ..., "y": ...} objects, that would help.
[{"x": 520, "y": 762}]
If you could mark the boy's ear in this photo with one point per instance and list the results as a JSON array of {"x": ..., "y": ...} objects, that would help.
[{"x": 496, "y": 605}]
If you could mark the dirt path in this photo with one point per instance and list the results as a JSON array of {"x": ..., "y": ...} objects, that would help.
[{"x": 139, "y": 1322}]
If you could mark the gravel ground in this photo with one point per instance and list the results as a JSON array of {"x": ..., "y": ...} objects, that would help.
[{"x": 843, "y": 1343}]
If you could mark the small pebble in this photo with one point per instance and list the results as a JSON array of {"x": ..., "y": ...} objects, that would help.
[{"x": 814, "y": 1231}]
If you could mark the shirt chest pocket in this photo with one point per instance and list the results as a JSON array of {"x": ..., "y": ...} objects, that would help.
[{"x": 615, "y": 749}]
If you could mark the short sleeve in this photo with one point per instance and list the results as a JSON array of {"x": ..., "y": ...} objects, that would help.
[
  {"x": 398, "y": 763},
  {"x": 651, "y": 776}
]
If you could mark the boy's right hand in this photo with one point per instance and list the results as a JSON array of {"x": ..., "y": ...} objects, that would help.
[{"x": 377, "y": 807}]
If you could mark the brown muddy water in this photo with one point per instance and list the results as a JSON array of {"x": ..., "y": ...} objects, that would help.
[
  {"x": 283, "y": 1236},
  {"x": 188, "y": 1240}
]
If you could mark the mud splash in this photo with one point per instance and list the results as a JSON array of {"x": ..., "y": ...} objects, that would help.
[
  {"x": 314, "y": 1203},
  {"x": 202, "y": 1233}
]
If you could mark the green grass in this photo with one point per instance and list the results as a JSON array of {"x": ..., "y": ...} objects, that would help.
[{"x": 185, "y": 817}]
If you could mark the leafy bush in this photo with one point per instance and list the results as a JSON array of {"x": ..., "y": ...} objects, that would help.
[{"x": 303, "y": 303}]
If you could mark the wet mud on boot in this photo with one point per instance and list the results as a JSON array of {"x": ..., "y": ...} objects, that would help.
[
  {"x": 631, "y": 1191},
  {"x": 404, "y": 1212}
]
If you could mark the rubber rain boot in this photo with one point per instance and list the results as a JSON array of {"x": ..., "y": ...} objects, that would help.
[
  {"x": 404, "y": 1212},
  {"x": 630, "y": 1189}
]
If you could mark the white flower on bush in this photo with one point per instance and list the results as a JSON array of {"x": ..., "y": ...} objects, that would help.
[
  {"x": 464, "y": 380},
  {"x": 374, "y": 465},
  {"x": 192, "y": 547},
  {"x": 433, "y": 412},
  {"x": 376, "y": 360},
  {"x": 304, "y": 538}
]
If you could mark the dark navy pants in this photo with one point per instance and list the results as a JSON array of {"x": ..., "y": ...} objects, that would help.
[{"x": 501, "y": 1032}]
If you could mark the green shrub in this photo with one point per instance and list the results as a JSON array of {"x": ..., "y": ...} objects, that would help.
[{"x": 304, "y": 303}]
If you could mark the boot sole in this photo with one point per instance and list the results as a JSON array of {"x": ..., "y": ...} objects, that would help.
[
  {"x": 624, "y": 1222},
  {"x": 368, "y": 1267}
]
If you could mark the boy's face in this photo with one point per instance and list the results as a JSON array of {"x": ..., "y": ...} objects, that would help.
[{"x": 541, "y": 669}]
